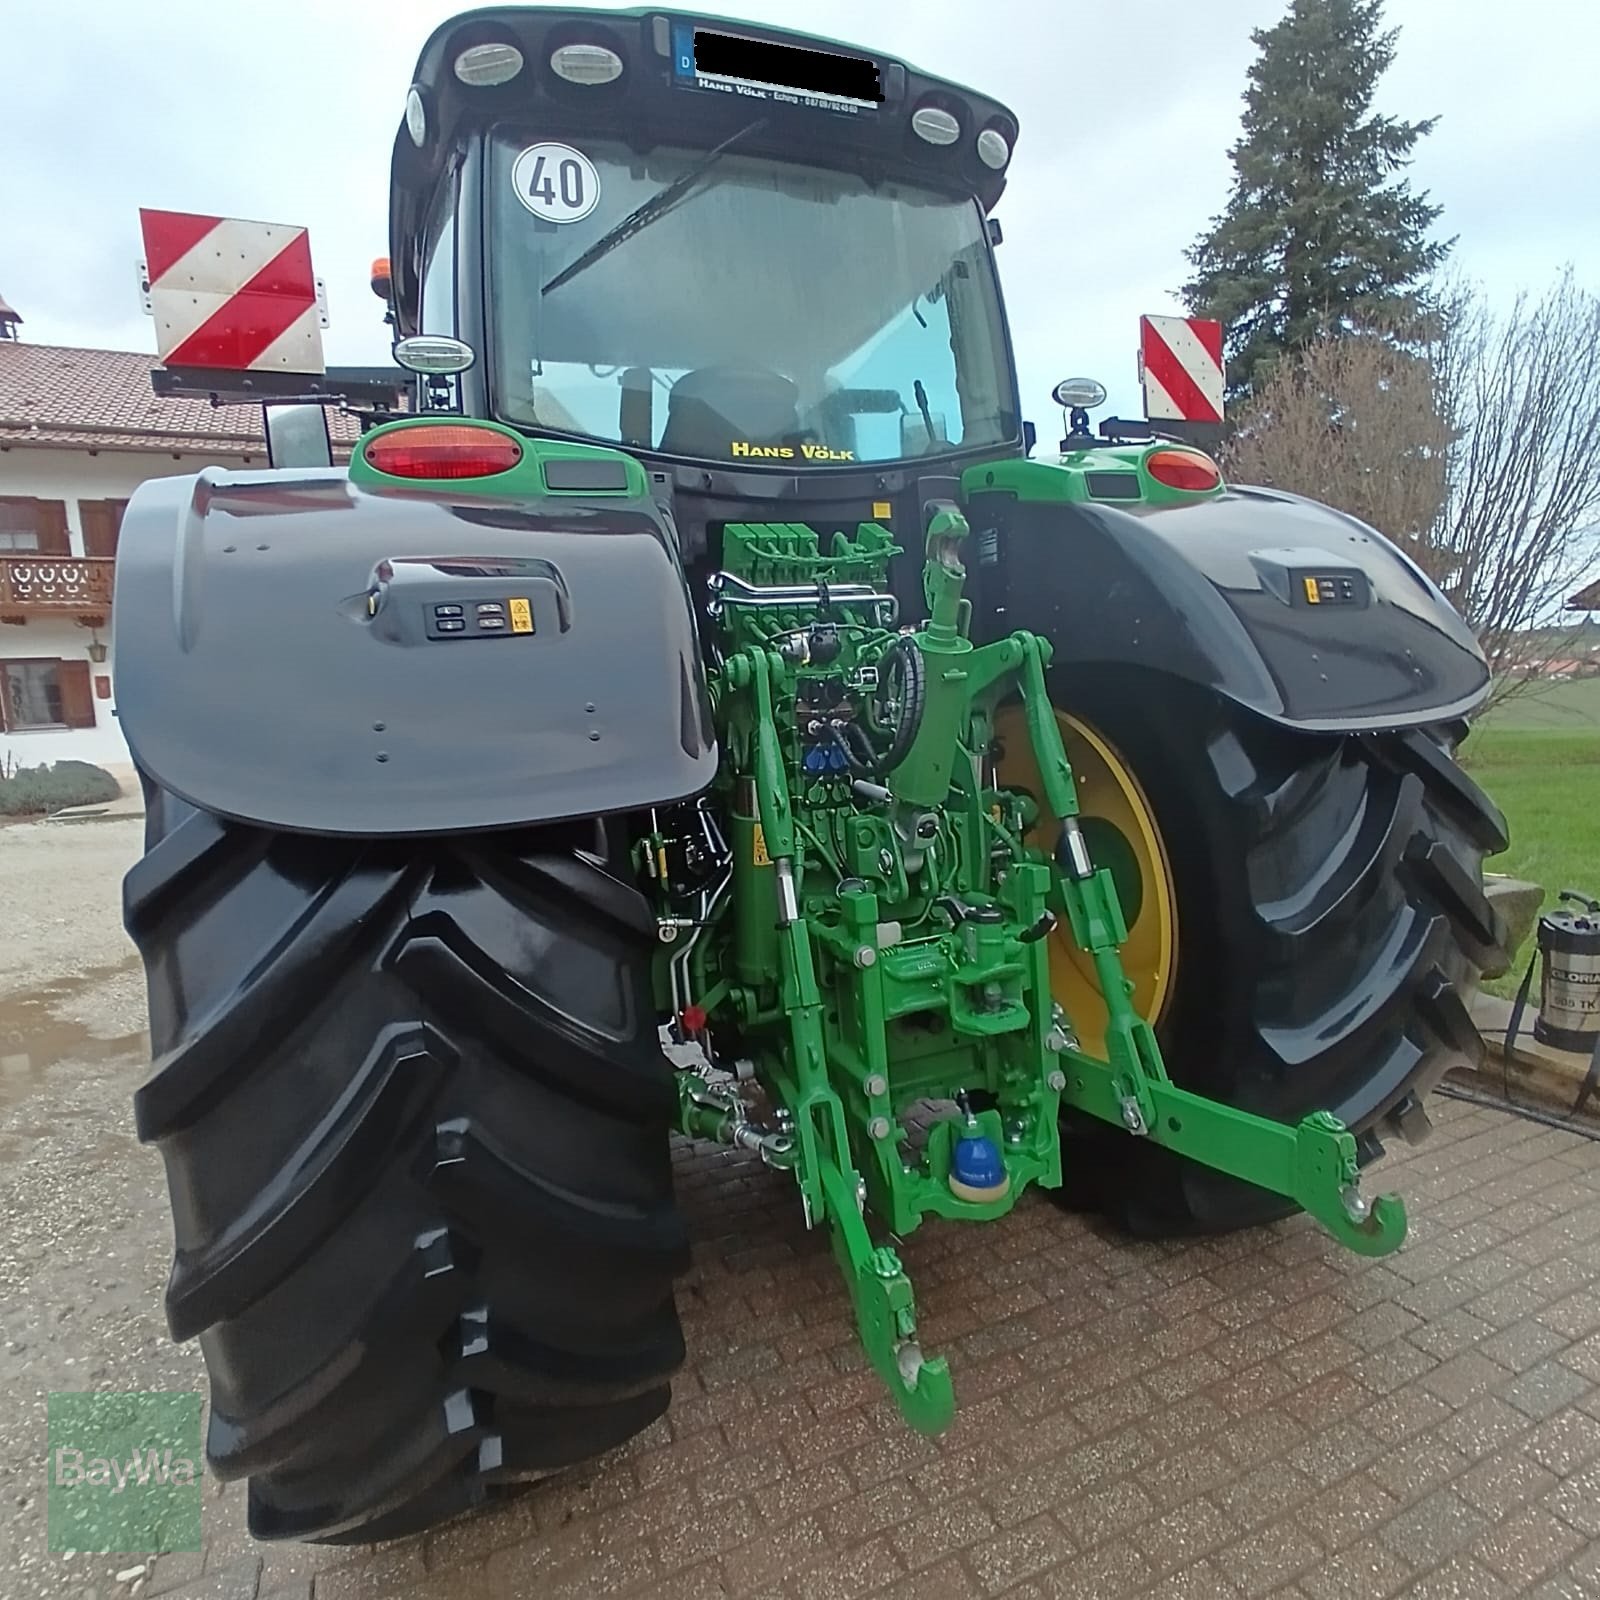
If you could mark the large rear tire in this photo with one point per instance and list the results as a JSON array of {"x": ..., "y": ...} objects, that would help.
[
  {"x": 1331, "y": 927},
  {"x": 414, "y": 1116}
]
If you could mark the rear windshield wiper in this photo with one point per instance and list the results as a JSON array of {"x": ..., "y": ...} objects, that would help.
[{"x": 652, "y": 210}]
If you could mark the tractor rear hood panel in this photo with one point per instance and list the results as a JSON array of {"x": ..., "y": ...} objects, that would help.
[
  {"x": 295, "y": 652},
  {"x": 1215, "y": 592}
]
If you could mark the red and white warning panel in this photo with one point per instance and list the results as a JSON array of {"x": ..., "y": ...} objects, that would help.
[
  {"x": 1180, "y": 363},
  {"x": 230, "y": 294}
]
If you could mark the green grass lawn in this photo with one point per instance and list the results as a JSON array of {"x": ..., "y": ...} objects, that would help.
[
  {"x": 1573, "y": 706},
  {"x": 1539, "y": 758}
]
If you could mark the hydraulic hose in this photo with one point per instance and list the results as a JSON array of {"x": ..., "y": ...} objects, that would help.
[
  {"x": 858, "y": 751},
  {"x": 913, "y": 697}
]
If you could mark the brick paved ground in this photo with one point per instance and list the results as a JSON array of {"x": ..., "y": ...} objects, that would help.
[{"x": 1264, "y": 1415}]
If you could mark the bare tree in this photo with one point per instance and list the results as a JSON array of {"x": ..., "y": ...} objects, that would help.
[
  {"x": 1520, "y": 395},
  {"x": 1479, "y": 454},
  {"x": 1351, "y": 421}
]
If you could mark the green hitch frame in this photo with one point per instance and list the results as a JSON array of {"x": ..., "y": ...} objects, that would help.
[
  {"x": 1314, "y": 1164},
  {"x": 837, "y": 1134},
  {"x": 832, "y": 1190}
]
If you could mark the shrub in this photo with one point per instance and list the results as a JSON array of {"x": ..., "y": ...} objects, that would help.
[{"x": 30, "y": 790}]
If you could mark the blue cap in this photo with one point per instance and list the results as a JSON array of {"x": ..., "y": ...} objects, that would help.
[{"x": 977, "y": 1163}]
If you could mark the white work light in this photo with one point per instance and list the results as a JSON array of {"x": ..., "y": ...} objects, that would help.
[
  {"x": 993, "y": 148},
  {"x": 416, "y": 117},
  {"x": 935, "y": 124},
  {"x": 586, "y": 63},
  {"x": 482, "y": 66}
]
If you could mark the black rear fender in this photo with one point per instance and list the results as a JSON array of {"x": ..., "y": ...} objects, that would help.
[
  {"x": 296, "y": 652},
  {"x": 1216, "y": 593}
]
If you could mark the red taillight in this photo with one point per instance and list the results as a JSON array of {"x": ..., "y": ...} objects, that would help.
[
  {"x": 442, "y": 450},
  {"x": 1183, "y": 469}
]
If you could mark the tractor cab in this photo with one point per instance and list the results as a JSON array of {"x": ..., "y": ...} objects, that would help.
[{"x": 735, "y": 249}]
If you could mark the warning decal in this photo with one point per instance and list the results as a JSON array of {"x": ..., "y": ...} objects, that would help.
[
  {"x": 229, "y": 294},
  {"x": 1180, "y": 364}
]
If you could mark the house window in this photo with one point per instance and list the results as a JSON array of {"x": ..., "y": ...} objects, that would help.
[
  {"x": 45, "y": 694},
  {"x": 33, "y": 694},
  {"x": 29, "y": 524},
  {"x": 101, "y": 521}
]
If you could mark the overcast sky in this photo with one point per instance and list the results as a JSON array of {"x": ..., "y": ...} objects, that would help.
[{"x": 286, "y": 112}]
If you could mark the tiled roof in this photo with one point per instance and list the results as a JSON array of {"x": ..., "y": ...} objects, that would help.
[
  {"x": 1586, "y": 599},
  {"x": 60, "y": 397}
]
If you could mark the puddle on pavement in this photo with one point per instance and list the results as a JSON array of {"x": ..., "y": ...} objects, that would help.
[{"x": 33, "y": 1038}]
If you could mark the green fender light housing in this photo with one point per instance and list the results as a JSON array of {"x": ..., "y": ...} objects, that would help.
[
  {"x": 1183, "y": 469},
  {"x": 442, "y": 450},
  {"x": 467, "y": 456}
]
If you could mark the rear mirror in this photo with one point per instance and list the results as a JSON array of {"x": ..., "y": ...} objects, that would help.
[{"x": 297, "y": 436}]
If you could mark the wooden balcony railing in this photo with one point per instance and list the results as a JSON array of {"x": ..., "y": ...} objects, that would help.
[{"x": 78, "y": 586}]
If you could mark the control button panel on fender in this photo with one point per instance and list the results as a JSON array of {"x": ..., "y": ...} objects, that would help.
[
  {"x": 1333, "y": 589},
  {"x": 480, "y": 619}
]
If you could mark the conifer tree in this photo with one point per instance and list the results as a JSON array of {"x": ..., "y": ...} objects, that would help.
[{"x": 1322, "y": 233}]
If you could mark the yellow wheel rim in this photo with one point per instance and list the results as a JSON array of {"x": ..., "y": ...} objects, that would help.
[{"x": 1122, "y": 834}]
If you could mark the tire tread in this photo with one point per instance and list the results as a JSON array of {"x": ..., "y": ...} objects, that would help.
[{"x": 414, "y": 1117}]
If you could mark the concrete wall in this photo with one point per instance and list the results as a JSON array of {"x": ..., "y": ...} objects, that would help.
[{"x": 70, "y": 476}]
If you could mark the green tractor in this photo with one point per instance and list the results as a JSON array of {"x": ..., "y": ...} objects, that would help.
[{"x": 703, "y": 714}]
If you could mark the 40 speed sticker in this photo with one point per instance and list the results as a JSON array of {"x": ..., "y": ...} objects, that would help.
[{"x": 555, "y": 182}]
